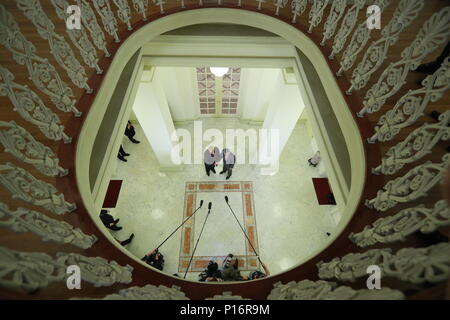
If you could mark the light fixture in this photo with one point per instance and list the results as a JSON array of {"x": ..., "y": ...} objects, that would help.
[{"x": 219, "y": 72}]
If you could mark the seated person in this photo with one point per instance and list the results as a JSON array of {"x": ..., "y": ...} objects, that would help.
[
  {"x": 230, "y": 271},
  {"x": 314, "y": 161},
  {"x": 155, "y": 259},
  {"x": 258, "y": 274},
  {"x": 211, "y": 273},
  {"x": 108, "y": 220}
]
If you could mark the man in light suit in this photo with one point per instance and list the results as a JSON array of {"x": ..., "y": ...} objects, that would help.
[
  {"x": 211, "y": 156},
  {"x": 229, "y": 159}
]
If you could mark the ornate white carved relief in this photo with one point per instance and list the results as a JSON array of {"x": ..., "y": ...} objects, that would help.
[
  {"x": 348, "y": 23},
  {"x": 358, "y": 42},
  {"x": 316, "y": 13},
  {"x": 31, "y": 108},
  {"x": 141, "y": 6},
  {"x": 373, "y": 59},
  {"x": 148, "y": 292},
  {"x": 89, "y": 21},
  {"x": 411, "y": 106},
  {"x": 24, "y": 186},
  {"x": 161, "y": 4},
  {"x": 404, "y": 223},
  {"x": 60, "y": 49},
  {"x": 21, "y": 144},
  {"x": 42, "y": 73},
  {"x": 298, "y": 7},
  {"x": 109, "y": 21},
  {"x": 421, "y": 265},
  {"x": 35, "y": 270},
  {"x": 435, "y": 32},
  {"x": 324, "y": 290},
  {"x": 279, "y": 4},
  {"x": 260, "y": 2},
  {"x": 414, "y": 185},
  {"x": 124, "y": 12},
  {"x": 226, "y": 295},
  {"x": 417, "y": 145},
  {"x": 97, "y": 270},
  {"x": 336, "y": 12},
  {"x": 78, "y": 37},
  {"x": 25, "y": 220}
]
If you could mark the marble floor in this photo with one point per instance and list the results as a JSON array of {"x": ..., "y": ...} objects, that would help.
[{"x": 288, "y": 224}]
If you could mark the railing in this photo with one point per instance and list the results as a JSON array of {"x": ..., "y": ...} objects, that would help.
[{"x": 49, "y": 77}]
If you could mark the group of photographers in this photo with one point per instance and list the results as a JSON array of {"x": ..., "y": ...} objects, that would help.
[{"x": 229, "y": 271}]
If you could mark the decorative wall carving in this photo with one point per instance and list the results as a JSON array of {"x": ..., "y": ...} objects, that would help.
[
  {"x": 421, "y": 265},
  {"x": 435, "y": 32},
  {"x": 336, "y": 12},
  {"x": 96, "y": 270},
  {"x": 109, "y": 21},
  {"x": 324, "y": 290},
  {"x": 161, "y": 4},
  {"x": 411, "y": 106},
  {"x": 373, "y": 59},
  {"x": 21, "y": 144},
  {"x": 42, "y": 73},
  {"x": 279, "y": 4},
  {"x": 418, "y": 144},
  {"x": 226, "y": 295},
  {"x": 298, "y": 7},
  {"x": 31, "y": 108},
  {"x": 35, "y": 270},
  {"x": 60, "y": 49},
  {"x": 316, "y": 13},
  {"x": 358, "y": 42},
  {"x": 260, "y": 2},
  {"x": 78, "y": 37},
  {"x": 141, "y": 6},
  {"x": 148, "y": 292},
  {"x": 90, "y": 22},
  {"x": 25, "y": 220},
  {"x": 348, "y": 23},
  {"x": 414, "y": 185},
  {"x": 124, "y": 12},
  {"x": 401, "y": 225},
  {"x": 24, "y": 186}
]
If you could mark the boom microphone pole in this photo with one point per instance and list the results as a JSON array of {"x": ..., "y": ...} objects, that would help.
[
  {"x": 201, "y": 203},
  {"x": 199, "y": 236},
  {"x": 245, "y": 234}
]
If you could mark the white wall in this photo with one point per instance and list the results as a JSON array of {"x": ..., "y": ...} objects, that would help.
[
  {"x": 285, "y": 108},
  {"x": 180, "y": 88},
  {"x": 152, "y": 112},
  {"x": 257, "y": 89}
]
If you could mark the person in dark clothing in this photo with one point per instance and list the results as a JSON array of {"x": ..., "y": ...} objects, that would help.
[
  {"x": 211, "y": 273},
  {"x": 130, "y": 132},
  {"x": 258, "y": 274},
  {"x": 108, "y": 220},
  {"x": 432, "y": 67},
  {"x": 122, "y": 154},
  {"x": 229, "y": 159},
  {"x": 230, "y": 271},
  {"x": 127, "y": 241},
  {"x": 155, "y": 259}
]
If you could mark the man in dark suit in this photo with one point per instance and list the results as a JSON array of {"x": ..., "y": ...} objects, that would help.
[
  {"x": 130, "y": 132},
  {"x": 108, "y": 220},
  {"x": 229, "y": 159}
]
